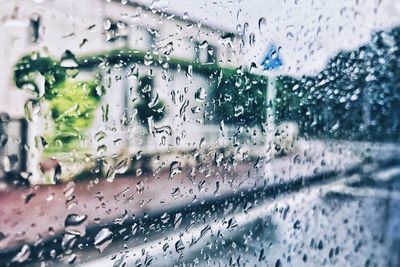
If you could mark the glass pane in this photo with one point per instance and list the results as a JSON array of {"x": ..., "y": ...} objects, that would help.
[{"x": 200, "y": 133}]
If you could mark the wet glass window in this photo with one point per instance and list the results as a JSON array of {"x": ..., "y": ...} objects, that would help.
[{"x": 200, "y": 133}]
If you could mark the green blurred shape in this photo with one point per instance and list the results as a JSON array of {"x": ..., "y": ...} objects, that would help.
[{"x": 72, "y": 104}]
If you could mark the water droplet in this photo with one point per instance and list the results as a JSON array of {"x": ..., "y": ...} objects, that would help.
[
  {"x": 222, "y": 127},
  {"x": 204, "y": 230},
  {"x": 103, "y": 239},
  {"x": 261, "y": 22},
  {"x": 9, "y": 163},
  {"x": 100, "y": 136},
  {"x": 289, "y": 36},
  {"x": 105, "y": 111},
  {"x": 262, "y": 255},
  {"x": 247, "y": 206},
  {"x": 174, "y": 169},
  {"x": 133, "y": 71},
  {"x": 74, "y": 219},
  {"x": 100, "y": 90},
  {"x": 296, "y": 224},
  {"x": 68, "y": 241},
  {"x": 110, "y": 175},
  {"x": 139, "y": 154},
  {"x": 3, "y": 139},
  {"x": 148, "y": 260},
  {"x": 69, "y": 189},
  {"x": 189, "y": 71},
  {"x": 231, "y": 223},
  {"x": 219, "y": 156},
  {"x": 169, "y": 48},
  {"x": 23, "y": 254},
  {"x": 74, "y": 224},
  {"x": 165, "y": 247},
  {"x": 177, "y": 220},
  {"x": 252, "y": 39},
  {"x": 179, "y": 246},
  {"x": 153, "y": 102},
  {"x": 30, "y": 109},
  {"x": 140, "y": 187},
  {"x": 195, "y": 109},
  {"x": 107, "y": 24},
  {"x": 178, "y": 141},
  {"x": 183, "y": 108},
  {"x": 68, "y": 60},
  {"x": 176, "y": 192},
  {"x": 204, "y": 44},
  {"x": 28, "y": 197},
  {"x": 57, "y": 173},
  {"x": 148, "y": 59},
  {"x": 200, "y": 94},
  {"x": 257, "y": 165},
  {"x": 217, "y": 186},
  {"x": 121, "y": 25},
  {"x": 71, "y": 259},
  {"x": 165, "y": 218},
  {"x": 239, "y": 110},
  {"x": 101, "y": 150},
  {"x": 122, "y": 166},
  {"x": 202, "y": 142}
]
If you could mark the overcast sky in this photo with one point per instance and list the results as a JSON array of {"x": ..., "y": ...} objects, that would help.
[{"x": 308, "y": 31}]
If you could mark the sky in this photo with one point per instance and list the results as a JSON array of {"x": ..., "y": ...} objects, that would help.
[{"x": 308, "y": 32}]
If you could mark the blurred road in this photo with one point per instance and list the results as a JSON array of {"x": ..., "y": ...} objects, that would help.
[
  {"x": 292, "y": 208},
  {"x": 351, "y": 221}
]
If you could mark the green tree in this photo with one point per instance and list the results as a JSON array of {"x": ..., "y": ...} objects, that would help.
[
  {"x": 72, "y": 104},
  {"x": 356, "y": 96},
  {"x": 145, "y": 107},
  {"x": 238, "y": 97}
]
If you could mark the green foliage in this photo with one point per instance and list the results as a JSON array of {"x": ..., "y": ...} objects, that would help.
[
  {"x": 297, "y": 100},
  {"x": 126, "y": 56},
  {"x": 238, "y": 97},
  {"x": 72, "y": 104},
  {"x": 356, "y": 96},
  {"x": 144, "y": 108},
  {"x": 29, "y": 66},
  {"x": 72, "y": 110}
]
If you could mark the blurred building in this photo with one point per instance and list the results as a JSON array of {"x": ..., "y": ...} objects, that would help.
[{"x": 138, "y": 37}]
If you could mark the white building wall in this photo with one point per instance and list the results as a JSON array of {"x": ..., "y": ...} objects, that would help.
[
  {"x": 78, "y": 26},
  {"x": 66, "y": 24}
]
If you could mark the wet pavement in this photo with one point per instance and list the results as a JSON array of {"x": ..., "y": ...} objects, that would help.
[
  {"x": 293, "y": 201},
  {"x": 316, "y": 226}
]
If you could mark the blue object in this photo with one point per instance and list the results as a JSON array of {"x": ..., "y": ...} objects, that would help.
[{"x": 272, "y": 59}]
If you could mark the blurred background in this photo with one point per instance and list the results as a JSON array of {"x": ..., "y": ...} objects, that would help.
[{"x": 206, "y": 100}]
